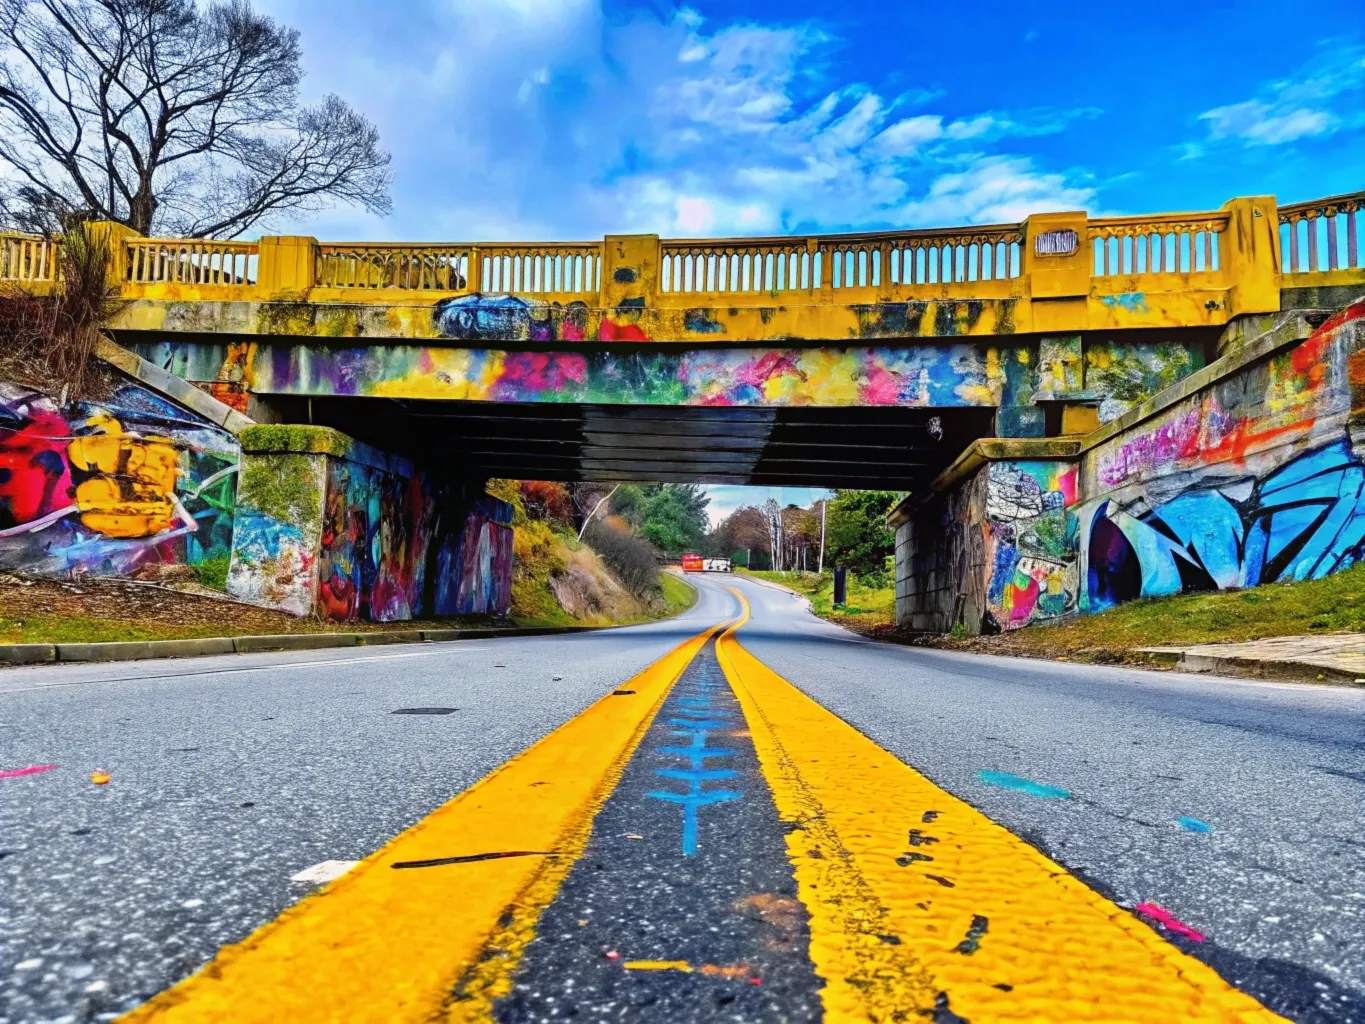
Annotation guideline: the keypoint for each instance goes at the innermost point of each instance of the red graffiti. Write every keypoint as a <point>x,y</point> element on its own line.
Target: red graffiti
<point>612,331</point>
<point>1169,921</point>
<point>34,477</point>
<point>543,371</point>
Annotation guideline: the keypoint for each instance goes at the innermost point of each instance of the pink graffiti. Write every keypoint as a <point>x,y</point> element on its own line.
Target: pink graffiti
<point>33,769</point>
<point>881,388</point>
<point>1169,921</point>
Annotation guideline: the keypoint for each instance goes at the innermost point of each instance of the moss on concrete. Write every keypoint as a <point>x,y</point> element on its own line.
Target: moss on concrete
<point>295,437</point>
<point>284,485</point>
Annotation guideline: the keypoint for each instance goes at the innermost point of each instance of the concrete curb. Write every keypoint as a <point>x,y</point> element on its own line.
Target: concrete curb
<point>40,654</point>
<point>1251,668</point>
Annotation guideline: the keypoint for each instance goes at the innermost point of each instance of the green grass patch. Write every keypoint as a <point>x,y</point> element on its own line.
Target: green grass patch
<point>82,630</point>
<point>678,594</point>
<point>213,572</point>
<point>1332,605</point>
<point>867,607</point>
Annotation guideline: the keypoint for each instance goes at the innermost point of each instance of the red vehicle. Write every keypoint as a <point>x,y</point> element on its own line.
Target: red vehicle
<point>693,563</point>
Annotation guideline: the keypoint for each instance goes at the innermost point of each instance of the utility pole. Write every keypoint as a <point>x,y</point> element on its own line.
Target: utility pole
<point>824,506</point>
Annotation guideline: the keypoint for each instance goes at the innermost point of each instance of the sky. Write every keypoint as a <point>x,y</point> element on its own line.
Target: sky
<point>569,119</point>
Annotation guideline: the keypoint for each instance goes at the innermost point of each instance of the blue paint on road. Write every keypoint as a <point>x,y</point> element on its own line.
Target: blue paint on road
<point>1004,780</point>
<point>695,716</point>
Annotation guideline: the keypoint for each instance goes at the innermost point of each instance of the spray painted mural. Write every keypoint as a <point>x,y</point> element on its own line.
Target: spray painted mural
<point>1257,479</point>
<point>114,487</point>
<point>997,552</point>
<point>927,375</point>
<point>474,563</point>
<point>375,531</point>
<point>1031,540</point>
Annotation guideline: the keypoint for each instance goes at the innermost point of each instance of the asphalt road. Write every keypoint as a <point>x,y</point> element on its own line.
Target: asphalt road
<point>231,774</point>
<point>1275,771</point>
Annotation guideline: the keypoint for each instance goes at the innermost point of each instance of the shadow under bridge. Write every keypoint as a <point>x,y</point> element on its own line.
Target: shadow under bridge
<point>854,447</point>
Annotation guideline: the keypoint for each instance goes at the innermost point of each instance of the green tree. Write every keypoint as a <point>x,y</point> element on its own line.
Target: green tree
<point>857,537</point>
<point>672,517</point>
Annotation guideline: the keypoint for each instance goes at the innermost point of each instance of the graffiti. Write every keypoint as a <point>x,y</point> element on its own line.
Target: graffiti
<point>110,487</point>
<point>508,318</point>
<point>1254,480</point>
<point>474,563</point>
<point>1031,538</point>
<point>375,531</point>
<point>921,375</point>
<point>273,563</point>
<point>1126,374</point>
<point>1303,521</point>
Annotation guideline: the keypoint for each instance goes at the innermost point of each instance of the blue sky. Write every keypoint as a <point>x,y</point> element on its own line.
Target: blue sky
<point>568,119</point>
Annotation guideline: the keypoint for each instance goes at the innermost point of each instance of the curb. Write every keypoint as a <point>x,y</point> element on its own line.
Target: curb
<point>1251,668</point>
<point>141,650</point>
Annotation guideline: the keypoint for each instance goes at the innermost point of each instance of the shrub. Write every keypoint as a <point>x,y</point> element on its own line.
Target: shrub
<point>634,561</point>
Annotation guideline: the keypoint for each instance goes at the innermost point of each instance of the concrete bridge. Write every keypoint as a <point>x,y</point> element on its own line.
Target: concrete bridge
<point>838,346</point>
<point>862,360</point>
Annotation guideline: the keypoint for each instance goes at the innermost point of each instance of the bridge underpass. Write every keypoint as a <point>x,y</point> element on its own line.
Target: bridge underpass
<point>853,447</point>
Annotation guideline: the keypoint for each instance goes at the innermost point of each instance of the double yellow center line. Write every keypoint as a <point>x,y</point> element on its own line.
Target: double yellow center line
<point>919,905</point>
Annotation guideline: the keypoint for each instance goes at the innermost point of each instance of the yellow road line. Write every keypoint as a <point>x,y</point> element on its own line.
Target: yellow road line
<point>983,926</point>
<point>439,939</point>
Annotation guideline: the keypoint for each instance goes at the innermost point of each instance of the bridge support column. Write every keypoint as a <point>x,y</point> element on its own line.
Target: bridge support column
<point>988,547</point>
<point>327,526</point>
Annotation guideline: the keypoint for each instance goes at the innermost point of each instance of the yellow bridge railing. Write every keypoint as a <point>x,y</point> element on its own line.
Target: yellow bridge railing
<point>1155,270</point>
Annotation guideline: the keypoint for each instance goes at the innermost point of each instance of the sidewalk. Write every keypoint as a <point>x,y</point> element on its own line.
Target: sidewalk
<point>1336,658</point>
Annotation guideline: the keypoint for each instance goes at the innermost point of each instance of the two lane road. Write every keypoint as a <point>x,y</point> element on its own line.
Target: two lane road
<point>1235,806</point>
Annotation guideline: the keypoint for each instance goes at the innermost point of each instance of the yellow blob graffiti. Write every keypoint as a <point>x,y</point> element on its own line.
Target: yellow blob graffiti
<point>132,491</point>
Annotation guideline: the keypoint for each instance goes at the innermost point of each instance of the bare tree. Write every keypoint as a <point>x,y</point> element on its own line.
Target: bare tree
<point>164,115</point>
<point>772,512</point>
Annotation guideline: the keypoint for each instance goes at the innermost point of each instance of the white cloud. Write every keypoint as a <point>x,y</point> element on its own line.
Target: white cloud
<point>1321,99</point>
<point>545,118</point>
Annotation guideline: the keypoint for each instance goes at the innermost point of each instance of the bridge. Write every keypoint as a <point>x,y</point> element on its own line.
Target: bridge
<point>904,359</point>
<point>834,346</point>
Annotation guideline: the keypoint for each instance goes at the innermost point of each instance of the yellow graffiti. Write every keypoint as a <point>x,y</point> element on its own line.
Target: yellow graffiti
<point>132,491</point>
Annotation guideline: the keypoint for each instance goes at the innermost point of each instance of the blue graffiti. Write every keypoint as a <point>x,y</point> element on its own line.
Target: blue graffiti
<point>1129,302</point>
<point>1304,521</point>
<point>694,716</point>
<point>1005,780</point>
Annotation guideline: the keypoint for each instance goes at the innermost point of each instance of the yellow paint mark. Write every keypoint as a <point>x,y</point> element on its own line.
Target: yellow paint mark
<point>658,965</point>
<point>435,943</point>
<point>887,937</point>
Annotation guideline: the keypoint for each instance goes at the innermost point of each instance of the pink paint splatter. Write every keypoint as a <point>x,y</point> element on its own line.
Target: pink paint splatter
<point>14,773</point>
<point>1169,921</point>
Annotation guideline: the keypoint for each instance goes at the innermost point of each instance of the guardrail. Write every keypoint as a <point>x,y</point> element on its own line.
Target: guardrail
<point>189,261</point>
<point>1171,244</point>
<point>27,258</point>
<point>441,268</point>
<point>1152,270</point>
<point>751,266</point>
<point>1321,236</point>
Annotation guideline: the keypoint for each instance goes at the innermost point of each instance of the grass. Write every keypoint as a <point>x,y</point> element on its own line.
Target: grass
<point>678,594</point>
<point>867,609</point>
<point>213,572</point>
<point>85,630</point>
<point>1335,604</point>
<point>1332,605</point>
